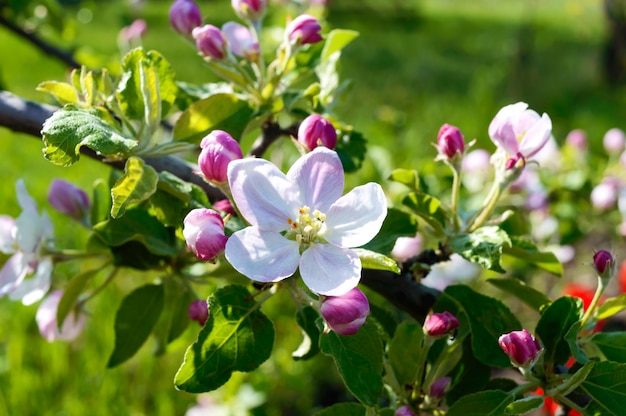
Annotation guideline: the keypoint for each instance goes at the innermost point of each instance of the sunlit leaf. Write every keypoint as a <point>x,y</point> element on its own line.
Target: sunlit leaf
<point>137,184</point>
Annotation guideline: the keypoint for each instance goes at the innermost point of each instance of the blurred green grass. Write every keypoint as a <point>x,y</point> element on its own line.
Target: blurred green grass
<point>416,65</point>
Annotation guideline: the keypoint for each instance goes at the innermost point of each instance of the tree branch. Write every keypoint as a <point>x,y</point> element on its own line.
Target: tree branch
<point>403,291</point>
<point>272,131</point>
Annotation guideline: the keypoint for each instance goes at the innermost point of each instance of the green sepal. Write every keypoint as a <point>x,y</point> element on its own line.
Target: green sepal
<point>376,261</point>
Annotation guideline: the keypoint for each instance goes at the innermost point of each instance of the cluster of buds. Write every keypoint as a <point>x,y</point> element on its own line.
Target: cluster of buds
<point>345,314</point>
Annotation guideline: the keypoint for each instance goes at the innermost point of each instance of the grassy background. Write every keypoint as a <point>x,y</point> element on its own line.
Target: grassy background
<point>416,65</point>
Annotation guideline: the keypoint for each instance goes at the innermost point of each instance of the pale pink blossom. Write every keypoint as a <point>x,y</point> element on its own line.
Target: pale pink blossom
<point>241,41</point>
<point>47,320</point>
<point>614,140</point>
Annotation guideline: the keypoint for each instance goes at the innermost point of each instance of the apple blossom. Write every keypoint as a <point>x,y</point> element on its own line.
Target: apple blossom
<point>210,41</point>
<point>301,220</point>
<point>521,347</point>
<point>241,41</point>
<point>345,314</point>
<point>251,10</point>
<point>407,247</point>
<point>519,132</point>
<point>199,311</point>
<point>614,140</point>
<point>304,29</point>
<point>218,150</point>
<point>204,232</point>
<point>316,131</point>
<point>25,240</point>
<point>47,320</point>
<point>604,196</point>
<point>185,16</point>
<point>69,199</point>
<point>450,142</point>
<point>440,324</point>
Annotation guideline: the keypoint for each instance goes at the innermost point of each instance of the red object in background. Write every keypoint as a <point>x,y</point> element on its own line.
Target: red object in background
<point>585,293</point>
<point>550,407</point>
<point>621,275</point>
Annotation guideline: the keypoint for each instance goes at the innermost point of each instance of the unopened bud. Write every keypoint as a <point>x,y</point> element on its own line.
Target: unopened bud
<point>450,142</point>
<point>241,41</point>
<point>521,347</point>
<point>204,233</point>
<point>218,150</point>
<point>69,199</point>
<point>614,140</point>
<point>225,206</point>
<point>251,10</point>
<point>604,263</point>
<point>210,41</point>
<point>439,387</point>
<point>440,324</point>
<point>345,314</point>
<point>403,411</point>
<point>304,29</point>
<point>185,16</point>
<point>604,196</point>
<point>316,131</point>
<point>199,311</point>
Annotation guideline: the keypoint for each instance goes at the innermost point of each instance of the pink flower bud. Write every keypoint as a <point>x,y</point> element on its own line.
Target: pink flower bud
<point>218,150</point>
<point>204,233</point>
<point>225,206</point>
<point>317,131</point>
<point>439,387</point>
<point>440,324</point>
<point>604,196</point>
<point>199,311</point>
<point>251,10</point>
<point>614,140</point>
<point>241,41</point>
<point>407,247</point>
<point>135,31</point>
<point>185,16</point>
<point>68,199</point>
<point>47,320</point>
<point>521,347</point>
<point>450,142</point>
<point>604,263</point>
<point>403,411</point>
<point>346,313</point>
<point>577,138</point>
<point>210,41</point>
<point>304,29</point>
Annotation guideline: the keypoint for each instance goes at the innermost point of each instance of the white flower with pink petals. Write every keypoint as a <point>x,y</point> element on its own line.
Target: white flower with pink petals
<point>302,220</point>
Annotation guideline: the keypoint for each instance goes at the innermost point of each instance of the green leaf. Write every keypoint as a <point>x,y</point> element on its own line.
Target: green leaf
<point>572,340</point>
<point>606,385</point>
<point>137,184</point>
<point>162,84</point>
<point>408,177</point>
<point>530,296</point>
<point>429,209</point>
<point>359,359</point>
<point>573,381</point>
<point>376,261</point>
<point>139,226</point>
<point>134,321</point>
<point>336,40</point>
<point>484,403</point>
<point>407,352</point>
<point>101,201</point>
<point>309,347</point>
<point>236,337</point>
<point>611,307</point>
<point>350,149</point>
<point>484,246</point>
<point>553,326</point>
<point>525,405</point>
<point>343,409</point>
<point>526,250</point>
<point>487,319</point>
<point>612,345</point>
<point>175,316</point>
<point>71,292</point>
<point>63,92</point>
<point>69,129</point>
<point>218,112</point>
<point>470,375</point>
<point>175,186</point>
<point>397,224</point>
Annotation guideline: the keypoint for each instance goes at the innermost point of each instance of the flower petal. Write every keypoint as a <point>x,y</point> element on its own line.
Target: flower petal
<point>536,136</point>
<point>319,176</point>
<point>501,128</point>
<point>356,217</point>
<point>263,194</point>
<point>264,256</point>
<point>12,273</point>
<point>33,289</point>
<point>330,270</point>
<point>7,238</point>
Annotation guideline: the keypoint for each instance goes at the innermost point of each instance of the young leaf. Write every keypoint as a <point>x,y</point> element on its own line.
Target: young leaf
<point>484,246</point>
<point>397,224</point>
<point>408,177</point>
<point>488,319</point>
<point>484,403</point>
<point>138,225</point>
<point>611,307</point>
<point>68,129</point>
<point>606,386</point>
<point>343,409</point>
<point>526,250</point>
<point>218,112</point>
<point>359,359</point>
<point>530,296</point>
<point>553,326</point>
<point>236,337</point>
<point>72,291</point>
<point>336,40</point>
<point>406,352</point>
<point>63,92</point>
<point>376,261</point>
<point>137,184</point>
<point>309,347</point>
<point>573,381</point>
<point>429,208</point>
<point>525,405</point>
<point>134,321</point>
<point>612,345</point>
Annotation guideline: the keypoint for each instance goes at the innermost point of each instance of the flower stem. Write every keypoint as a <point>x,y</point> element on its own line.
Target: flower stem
<point>489,205</point>
<point>591,310</point>
<point>456,184</point>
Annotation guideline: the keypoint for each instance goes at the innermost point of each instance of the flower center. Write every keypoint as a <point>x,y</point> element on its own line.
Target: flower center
<point>304,230</point>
